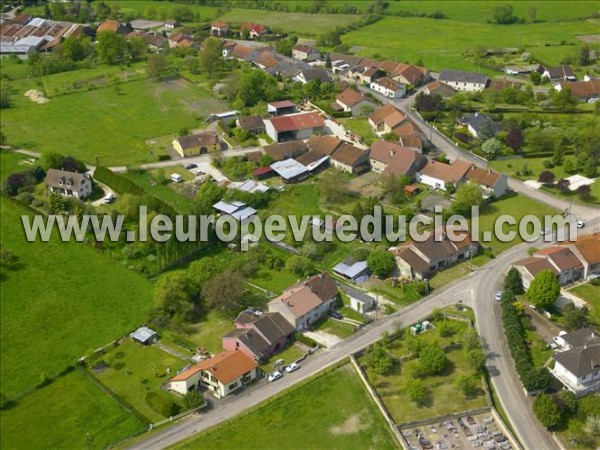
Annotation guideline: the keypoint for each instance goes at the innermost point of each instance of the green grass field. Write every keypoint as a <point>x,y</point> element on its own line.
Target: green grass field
<point>332,411</point>
<point>340,329</point>
<point>106,124</point>
<point>61,415</point>
<point>444,41</point>
<point>66,300</point>
<point>464,10</point>
<point>443,398</point>
<point>134,370</point>
<point>517,206</point>
<point>157,183</point>
<point>158,10</point>
<point>360,127</point>
<point>300,23</point>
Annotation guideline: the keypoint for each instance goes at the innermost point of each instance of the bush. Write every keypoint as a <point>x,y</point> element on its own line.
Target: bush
<point>432,360</point>
<point>161,404</point>
<point>306,340</point>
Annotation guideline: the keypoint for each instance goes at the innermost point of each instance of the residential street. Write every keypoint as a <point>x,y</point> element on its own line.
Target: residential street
<point>474,290</point>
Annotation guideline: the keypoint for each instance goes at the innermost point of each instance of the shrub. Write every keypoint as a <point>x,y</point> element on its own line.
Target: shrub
<point>161,404</point>
<point>432,360</point>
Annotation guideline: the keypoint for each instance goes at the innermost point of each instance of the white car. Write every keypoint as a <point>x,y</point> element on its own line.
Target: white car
<point>498,296</point>
<point>274,376</point>
<point>580,224</point>
<point>292,367</point>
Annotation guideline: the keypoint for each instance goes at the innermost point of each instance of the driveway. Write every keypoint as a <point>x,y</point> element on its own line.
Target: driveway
<point>322,338</point>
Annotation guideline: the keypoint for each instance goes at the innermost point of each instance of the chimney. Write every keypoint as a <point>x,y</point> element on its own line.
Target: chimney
<point>391,152</point>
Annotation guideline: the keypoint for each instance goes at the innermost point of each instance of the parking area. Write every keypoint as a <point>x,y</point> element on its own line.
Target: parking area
<point>465,432</point>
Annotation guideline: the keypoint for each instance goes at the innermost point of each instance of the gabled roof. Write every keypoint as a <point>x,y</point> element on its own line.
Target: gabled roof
<point>266,59</point>
<point>296,122</point>
<point>560,72</point>
<point>416,263</point>
<point>476,121</point>
<point>322,285</point>
<point>562,257</point>
<point>580,361</point>
<point>324,144</point>
<point>439,87</point>
<point>299,300</point>
<point>219,24</point>
<point>310,157</point>
<point>458,76</point>
<point>282,104</point>
<point>251,122</point>
<point>356,294</point>
<point>315,73</point>
<point>227,366</point>
<point>241,51</point>
<point>251,339</point>
<point>64,179</point>
<point>399,160</point>
<point>388,83</point>
<point>389,115</point>
<point>588,247</point>
<point>289,168</point>
<point>109,25</point>
<point>349,155</point>
<point>273,327</point>
<point>411,73</point>
<point>350,97</point>
<point>285,150</point>
<point>350,270</point>
<point>484,177</point>
<point>451,173</point>
<point>535,265</point>
<point>304,48</point>
<point>581,337</point>
<point>256,27</point>
<point>205,138</point>
<point>583,89</point>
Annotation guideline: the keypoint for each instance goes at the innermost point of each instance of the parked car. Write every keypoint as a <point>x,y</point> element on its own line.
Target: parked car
<point>190,166</point>
<point>274,376</point>
<point>498,296</point>
<point>292,367</point>
<point>336,315</point>
<point>580,224</point>
<point>176,178</point>
<point>109,198</point>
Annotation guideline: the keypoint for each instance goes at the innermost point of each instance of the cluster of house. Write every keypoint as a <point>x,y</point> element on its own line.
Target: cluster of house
<point>276,64</point>
<point>155,39</point>
<point>220,28</point>
<point>569,261</point>
<point>24,35</point>
<point>389,78</point>
<point>577,360</point>
<point>420,259</point>
<point>258,336</point>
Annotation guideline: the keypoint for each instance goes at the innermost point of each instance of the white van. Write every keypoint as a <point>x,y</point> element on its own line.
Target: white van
<point>175,177</point>
<point>109,198</point>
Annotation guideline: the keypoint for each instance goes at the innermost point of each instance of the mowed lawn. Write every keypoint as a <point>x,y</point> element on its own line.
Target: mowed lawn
<point>66,300</point>
<point>591,294</point>
<point>441,42</point>
<point>132,370</point>
<point>299,23</point>
<point>516,206</point>
<point>108,124</point>
<point>333,411</point>
<point>159,9</point>
<point>60,415</point>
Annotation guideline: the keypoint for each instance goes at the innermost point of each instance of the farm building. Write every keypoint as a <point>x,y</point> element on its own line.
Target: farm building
<point>464,81</point>
<point>144,335</point>
<point>197,144</point>
<point>295,126</point>
<point>359,301</point>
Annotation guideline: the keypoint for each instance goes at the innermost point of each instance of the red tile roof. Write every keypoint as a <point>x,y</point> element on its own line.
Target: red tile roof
<point>297,122</point>
<point>350,97</point>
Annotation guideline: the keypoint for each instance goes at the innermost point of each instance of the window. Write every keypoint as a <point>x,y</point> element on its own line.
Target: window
<point>233,385</point>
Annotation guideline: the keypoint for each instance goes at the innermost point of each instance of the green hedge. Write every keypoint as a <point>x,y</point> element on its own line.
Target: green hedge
<point>162,405</point>
<point>306,340</point>
<point>533,379</point>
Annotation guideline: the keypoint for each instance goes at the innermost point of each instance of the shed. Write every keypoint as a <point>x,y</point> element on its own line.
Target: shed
<point>359,301</point>
<point>144,335</point>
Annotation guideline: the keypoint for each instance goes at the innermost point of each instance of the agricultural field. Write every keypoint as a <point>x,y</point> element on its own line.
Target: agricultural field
<point>72,412</point>
<point>158,10</point>
<point>354,423</point>
<point>443,396</point>
<point>63,301</point>
<point>300,23</point>
<point>445,41</point>
<point>546,10</point>
<point>116,127</point>
<point>132,370</point>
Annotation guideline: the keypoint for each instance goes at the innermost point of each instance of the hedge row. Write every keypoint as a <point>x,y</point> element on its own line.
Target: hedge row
<point>533,379</point>
<point>161,404</point>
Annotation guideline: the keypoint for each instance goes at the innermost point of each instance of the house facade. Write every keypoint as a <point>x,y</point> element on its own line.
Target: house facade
<point>304,52</point>
<point>222,374</point>
<point>219,28</point>
<point>349,158</point>
<point>68,184</point>
<point>577,361</point>
<point>388,87</point>
<point>197,144</point>
<point>355,102</point>
<point>464,81</point>
<point>436,174</point>
<point>493,184</point>
<point>303,304</point>
<point>442,249</point>
<point>391,158</point>
<point>259,336</point>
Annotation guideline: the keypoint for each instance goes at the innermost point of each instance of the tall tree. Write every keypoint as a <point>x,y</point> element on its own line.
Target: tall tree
<point>546,411</point>
<point>211,58</point>
<point>224,291</point>
<point>544,289</point>
<point>112,47</point>
<point>158,65</point>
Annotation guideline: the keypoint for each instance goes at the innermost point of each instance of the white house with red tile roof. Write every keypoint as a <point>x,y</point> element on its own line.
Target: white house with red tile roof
<point>294,126</point>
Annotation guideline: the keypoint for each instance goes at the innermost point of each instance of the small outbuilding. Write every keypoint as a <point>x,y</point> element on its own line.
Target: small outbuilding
<point>144,335</point>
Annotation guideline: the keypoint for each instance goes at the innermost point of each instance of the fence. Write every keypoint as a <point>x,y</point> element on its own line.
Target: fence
<point>386,414</point>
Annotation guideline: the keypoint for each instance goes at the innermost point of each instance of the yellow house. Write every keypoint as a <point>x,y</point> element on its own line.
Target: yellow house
<point>197,144</point>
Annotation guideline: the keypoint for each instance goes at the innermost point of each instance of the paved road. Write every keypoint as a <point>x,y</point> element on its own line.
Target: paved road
<point>364,337</point>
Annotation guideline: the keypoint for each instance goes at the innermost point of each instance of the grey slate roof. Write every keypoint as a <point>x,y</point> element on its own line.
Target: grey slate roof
<point>463,77</point>
<point>358,295</point>
<point>580,361</point>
